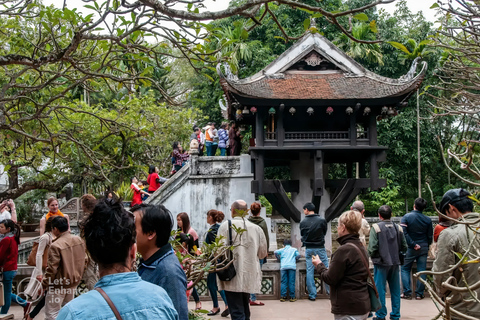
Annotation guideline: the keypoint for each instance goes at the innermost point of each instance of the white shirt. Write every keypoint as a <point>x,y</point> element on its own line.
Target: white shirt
<point>5,215</point>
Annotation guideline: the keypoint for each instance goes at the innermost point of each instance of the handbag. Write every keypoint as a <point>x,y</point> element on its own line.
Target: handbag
<point>229,272</point>
<point>32,257</point>
<point>375,303</point>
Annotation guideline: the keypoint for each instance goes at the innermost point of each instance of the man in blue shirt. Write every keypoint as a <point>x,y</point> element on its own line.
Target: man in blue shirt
<point>159,264</point>
<point>418,231</point>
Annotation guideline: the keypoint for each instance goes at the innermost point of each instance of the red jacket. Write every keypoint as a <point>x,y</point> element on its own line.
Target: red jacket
<point>8,254</point>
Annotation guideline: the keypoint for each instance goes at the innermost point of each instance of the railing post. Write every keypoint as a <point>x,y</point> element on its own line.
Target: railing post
<point>280,128</point>
<point>259,132</point>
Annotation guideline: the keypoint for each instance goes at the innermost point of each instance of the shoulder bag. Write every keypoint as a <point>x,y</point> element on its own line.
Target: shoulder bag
<point>375,303</point>
<point>32,257</point>
<point>110,303</point>
<point>229,272</point>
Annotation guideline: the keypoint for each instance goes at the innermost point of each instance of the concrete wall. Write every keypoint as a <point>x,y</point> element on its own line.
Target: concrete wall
<point>206,183</point>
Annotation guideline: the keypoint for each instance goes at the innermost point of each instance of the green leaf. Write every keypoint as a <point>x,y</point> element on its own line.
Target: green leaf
<point>306,23</point>
<point>373,26</point>
<point>209,77</point>
<point>361,16</point>
<point>435,5</point>
<point>399,46</point>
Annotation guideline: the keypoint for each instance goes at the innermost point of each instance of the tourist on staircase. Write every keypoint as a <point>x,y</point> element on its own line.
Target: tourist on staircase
<point>178,156</point>
<point>137,192</point>
<point>154,181</point>
<point>214,218</point>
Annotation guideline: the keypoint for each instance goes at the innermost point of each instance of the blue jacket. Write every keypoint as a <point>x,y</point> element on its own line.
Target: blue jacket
<point>133,298</point>
<point>163,269</point>
<point>288,257</point>
<point>418,229</point>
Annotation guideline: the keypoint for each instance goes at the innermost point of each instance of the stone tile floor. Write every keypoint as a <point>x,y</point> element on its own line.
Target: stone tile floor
<point>302,310</point>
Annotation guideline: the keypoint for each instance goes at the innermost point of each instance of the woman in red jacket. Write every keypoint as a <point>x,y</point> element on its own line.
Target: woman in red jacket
<point>9,241</point>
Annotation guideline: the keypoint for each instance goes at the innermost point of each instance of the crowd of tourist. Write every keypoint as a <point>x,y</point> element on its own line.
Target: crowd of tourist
<point>104,256</point>
<point>227,139</point>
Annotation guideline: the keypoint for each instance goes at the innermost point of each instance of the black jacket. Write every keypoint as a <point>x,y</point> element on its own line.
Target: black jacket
<point>313,229</point>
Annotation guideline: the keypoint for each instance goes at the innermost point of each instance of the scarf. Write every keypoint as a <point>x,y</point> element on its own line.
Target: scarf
<point>51,214</point>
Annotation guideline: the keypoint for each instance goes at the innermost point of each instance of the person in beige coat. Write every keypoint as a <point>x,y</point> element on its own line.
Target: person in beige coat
<point>249,247</point>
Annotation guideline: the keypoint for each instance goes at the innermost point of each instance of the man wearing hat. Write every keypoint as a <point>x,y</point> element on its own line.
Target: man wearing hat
<point>453,241</point>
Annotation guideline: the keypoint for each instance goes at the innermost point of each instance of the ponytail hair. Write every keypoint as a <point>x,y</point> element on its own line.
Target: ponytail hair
<point>9,224</point>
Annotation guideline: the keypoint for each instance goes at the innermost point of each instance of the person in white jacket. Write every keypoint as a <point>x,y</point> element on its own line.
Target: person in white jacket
<point>365,229</point>
<point>249,247</point>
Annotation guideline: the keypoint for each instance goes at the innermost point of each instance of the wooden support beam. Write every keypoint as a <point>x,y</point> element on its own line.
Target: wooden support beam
<point>372,130</point>
<point>280,202</point>
<point>318,182</point>
<point>353,128</point>
<point>288,186</point>
<point>362,170</point>
<point>350,170</point>
<point>348,192</point>
<point>259,131</point>
<point>362,183</point>
<point>374,177</point>
<point>280,127</point>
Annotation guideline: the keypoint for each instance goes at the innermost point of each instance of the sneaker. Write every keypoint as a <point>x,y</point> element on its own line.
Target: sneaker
<point>311,299</point>
<point>419,297</point>
<point>293,299</point>
<point>406,296</point>
<point>377,318</point>
<point>283,299</point>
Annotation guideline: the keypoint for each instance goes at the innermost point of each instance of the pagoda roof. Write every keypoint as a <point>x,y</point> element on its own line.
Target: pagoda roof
<point>315,69</point>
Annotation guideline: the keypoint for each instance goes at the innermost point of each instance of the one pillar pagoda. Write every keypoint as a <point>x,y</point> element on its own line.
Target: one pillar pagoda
<point>311,107</point>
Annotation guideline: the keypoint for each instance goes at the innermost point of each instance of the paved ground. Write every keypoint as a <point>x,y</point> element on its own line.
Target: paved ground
<point>303,310</point>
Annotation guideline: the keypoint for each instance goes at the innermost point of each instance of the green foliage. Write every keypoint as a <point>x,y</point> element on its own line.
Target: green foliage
<point>25,205</point>
<point>124,191</point>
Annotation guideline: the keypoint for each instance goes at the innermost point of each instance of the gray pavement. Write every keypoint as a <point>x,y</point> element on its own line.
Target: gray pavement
<point>302,310</point>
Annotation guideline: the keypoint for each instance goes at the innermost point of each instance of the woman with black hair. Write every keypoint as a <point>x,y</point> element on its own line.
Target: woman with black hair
<point>154,181</point>
<point>179,156</point>
<point>9,241</point>
<point>109,234</point>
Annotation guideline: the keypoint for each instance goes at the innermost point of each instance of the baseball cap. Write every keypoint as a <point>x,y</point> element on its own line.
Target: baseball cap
<point>452,196</point>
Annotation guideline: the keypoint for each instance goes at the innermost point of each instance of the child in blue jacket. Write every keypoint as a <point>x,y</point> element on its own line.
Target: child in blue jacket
<point>288,257</point>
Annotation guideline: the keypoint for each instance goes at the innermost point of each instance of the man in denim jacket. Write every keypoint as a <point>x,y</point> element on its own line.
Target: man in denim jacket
<point>159,264</point>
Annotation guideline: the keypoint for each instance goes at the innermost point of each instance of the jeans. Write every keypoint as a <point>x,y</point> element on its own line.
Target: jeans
<point>253,297</point>
<point>238,305</point>
<point>223,152</point>
<point>208,145</point>
<point>421,257</point>
<point>322,253</point>
<point>288,281</point>
<point>18,300</point>
<point>214,148</point>
<point>195,295</point>
<point>213,289</point>
<point>391,274</point>
<point>7,290</point>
